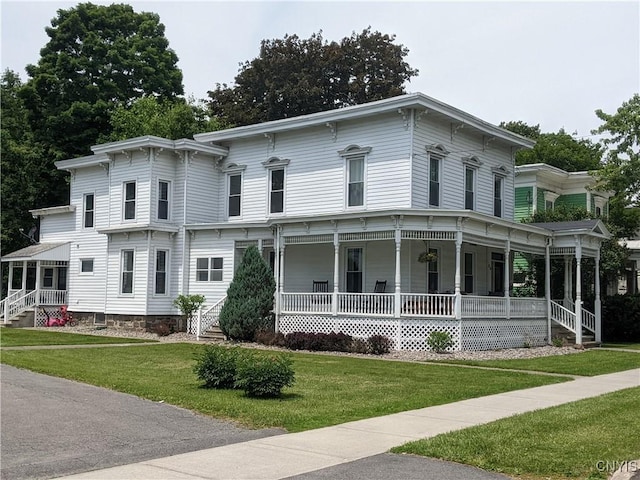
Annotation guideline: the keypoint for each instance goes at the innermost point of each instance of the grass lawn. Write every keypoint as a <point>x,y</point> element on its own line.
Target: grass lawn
<point>589,363</point>
<point>630,346</point>
<point>20,337</point>
<point>569,441</point>
<point>329,389</point>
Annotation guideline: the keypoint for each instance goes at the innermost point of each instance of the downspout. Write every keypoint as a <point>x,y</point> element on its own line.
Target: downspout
<point>111,164</point>
<point>184,286</point>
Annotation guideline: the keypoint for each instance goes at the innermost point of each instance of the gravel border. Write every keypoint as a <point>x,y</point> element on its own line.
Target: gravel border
<point>183,337</point>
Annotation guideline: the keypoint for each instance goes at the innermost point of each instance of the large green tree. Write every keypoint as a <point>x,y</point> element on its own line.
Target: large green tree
<point>557,149</point>
<point>621,172</point>
<point>97,56</point>
<point>294,76</point>
<point>149,115</point>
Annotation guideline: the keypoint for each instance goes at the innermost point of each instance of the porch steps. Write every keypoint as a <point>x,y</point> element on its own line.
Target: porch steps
<point>588,340</point>
<point>214,333</point>
<point>21,320</point>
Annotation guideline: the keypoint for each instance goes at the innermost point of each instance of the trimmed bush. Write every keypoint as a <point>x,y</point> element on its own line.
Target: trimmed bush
<point>249,303</point>
<point>216,366</point>
<point>379,344</point>
<point>318,342</point>
<point>439,341</point>
<point>260,375</point>
<point>360,345</point>
<point>270,338</point>
<point>621,318</point>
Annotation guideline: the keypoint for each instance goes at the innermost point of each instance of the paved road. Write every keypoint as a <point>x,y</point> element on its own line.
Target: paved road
<point>51,427</point>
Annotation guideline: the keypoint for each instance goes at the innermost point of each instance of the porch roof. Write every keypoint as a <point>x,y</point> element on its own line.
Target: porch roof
<point>42,251</point>
<point>593,227</point>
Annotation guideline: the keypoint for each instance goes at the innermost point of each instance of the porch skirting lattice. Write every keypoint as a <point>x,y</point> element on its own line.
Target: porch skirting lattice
<point>411,333</point>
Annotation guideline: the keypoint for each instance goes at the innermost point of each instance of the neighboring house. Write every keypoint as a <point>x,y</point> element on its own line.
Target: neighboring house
<point>341,204</point>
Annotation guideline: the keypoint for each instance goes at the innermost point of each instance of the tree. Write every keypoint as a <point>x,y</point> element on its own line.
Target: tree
<point>24,178</point>
<point>149,115</point>
<point>249,298</point>
<point>293,76</point>
<point>97,56</point>
<point>189,305</point>
<point>621,172</point>
<point>557,149</point>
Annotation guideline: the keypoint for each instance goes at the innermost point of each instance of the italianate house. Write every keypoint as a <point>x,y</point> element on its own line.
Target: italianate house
<point>395,217</point>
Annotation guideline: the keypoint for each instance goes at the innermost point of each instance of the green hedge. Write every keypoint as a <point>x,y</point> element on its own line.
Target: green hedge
<point>621,318</point>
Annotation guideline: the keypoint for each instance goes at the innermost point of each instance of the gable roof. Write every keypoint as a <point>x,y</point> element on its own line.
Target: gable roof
<point>419,101</point>
<point>592,227</point>
<point>41,251</point>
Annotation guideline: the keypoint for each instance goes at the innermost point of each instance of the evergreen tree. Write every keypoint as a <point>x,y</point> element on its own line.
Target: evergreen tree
<point>249,298</point>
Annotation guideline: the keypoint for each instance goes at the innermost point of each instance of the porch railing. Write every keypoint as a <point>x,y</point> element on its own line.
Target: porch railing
<point>588,320</point>
<point>366,303</point>
<point>563,316</point>
<point>21,304</point>
<point>6,303</point>
<point>528,307</point>
<point>429,305</point>
<point>306,302</point>
<point>19,301</point>
<point>52,297</point>
<point>477,307</point>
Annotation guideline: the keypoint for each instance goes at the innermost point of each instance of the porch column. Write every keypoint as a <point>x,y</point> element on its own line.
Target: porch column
<point>597,303</point>
<point>336,274</point>
<point>10,284</point>
<point>260,246</point>
<point>547,286</point>
<point>276,278</point>
<point>396,300</point>
<point>567,281</point>
<point>578,310</point>
<point>24,276</point>
<point>458,305</point>
<point>570,278</point>
<point>507,275</point>
<point>38,275</point>
<point>281,271</point>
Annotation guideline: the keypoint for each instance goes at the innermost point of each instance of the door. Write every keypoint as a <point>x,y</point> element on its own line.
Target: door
<point>497,272</point>
<point>354,269</point>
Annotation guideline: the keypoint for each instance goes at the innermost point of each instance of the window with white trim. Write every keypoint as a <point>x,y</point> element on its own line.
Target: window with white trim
<point>469,188</point>
<point>209,269</point>
<point>432,271</point>
<point>129,205</point>
<point>161,272</point>
<point>88,214</point>
<point>126,268</point>
<point>498,195</point>
<point>86,266</point>
<point>235,195</point>
<point>355,175</point>
<point>435,157</point>
<point>164,190</point>
<point>276,191</point>
<point>47,278</point>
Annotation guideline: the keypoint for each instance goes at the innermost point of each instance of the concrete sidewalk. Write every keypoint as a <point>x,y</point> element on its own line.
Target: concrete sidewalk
<point>298,453</point>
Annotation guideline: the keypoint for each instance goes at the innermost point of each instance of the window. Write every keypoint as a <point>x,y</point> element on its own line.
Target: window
<point>163,200</point>
<point>469,188</point>
<point>355,181</point>
<point>235,194</point>
<point>468,272</point>
<point>354,270</point>
<point>548,205</point>
<point>86,265</point>
<point>498,182</point>
<point>276,191</point>
<point>130,201</point>
<point>432,271</point>
<point>89,210</point>
<point>47,278</point>
<point>209,269</point>
<point>434,181</point>
<point>161,272</point>
<point>598,212</point>
<point>497,271</point>
<point>126,286</point>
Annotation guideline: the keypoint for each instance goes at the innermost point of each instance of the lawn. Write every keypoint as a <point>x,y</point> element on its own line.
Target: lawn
<point>583,439</point>
<point>329,389</point>
<point>589,363</point>
<point>14,337</point>
<point>630,346</point>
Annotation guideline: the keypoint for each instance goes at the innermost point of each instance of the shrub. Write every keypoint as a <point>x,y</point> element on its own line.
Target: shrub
<point>360,345</point>
<point>558,342</point>
<point>162,329</point>
<point>338,342</point>
<point>264,375</point>
<point>318,342</point>
<point>297,341</point>
<point>379,344</point>
<point>270,338</point>
<point>439,341</point>
<point>188,304</point>
<point>249,303</point>
<point>621,318</point>
<point>216,366</point>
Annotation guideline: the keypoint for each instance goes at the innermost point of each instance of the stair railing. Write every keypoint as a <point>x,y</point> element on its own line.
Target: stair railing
<point>5,305</point>
<point>563,316</point>
<point>208,318</point>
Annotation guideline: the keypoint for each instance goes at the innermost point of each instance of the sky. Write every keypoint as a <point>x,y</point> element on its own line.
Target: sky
<point>546,63</point>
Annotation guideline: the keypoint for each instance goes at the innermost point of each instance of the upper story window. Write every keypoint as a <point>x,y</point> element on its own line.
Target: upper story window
<point>129,201</point>
<point>435,157</point>
<point>469,188</point>
<point>277,173</point>
<point>355,158</point>
<point>88,216</point>
<point>499,175</point>
<point>600,204</point>
<point>161,272</point>
<point>164,190</point>
<point>549,200</point>
<point>234,189</point>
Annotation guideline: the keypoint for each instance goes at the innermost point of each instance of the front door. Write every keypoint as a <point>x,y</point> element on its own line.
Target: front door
<point>354,269</point>
<point>497,269</point>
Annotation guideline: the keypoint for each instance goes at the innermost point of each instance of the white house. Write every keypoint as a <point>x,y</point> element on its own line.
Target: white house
<point>341,204</point>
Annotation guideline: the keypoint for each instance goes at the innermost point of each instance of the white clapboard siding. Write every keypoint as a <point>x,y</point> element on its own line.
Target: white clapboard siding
<point>208,245</point>
<point>135,303</point>
<point>86,291</point>
<point>159,304</point>
<point>55,228</point>
<point>164,169</point>
<point>123,170</point>
<point>203,190</point>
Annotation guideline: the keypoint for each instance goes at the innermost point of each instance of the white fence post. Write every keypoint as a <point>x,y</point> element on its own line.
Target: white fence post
<point>198,323</point>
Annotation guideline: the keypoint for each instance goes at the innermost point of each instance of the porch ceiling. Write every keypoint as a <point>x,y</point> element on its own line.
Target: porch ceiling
<point>41,251</point>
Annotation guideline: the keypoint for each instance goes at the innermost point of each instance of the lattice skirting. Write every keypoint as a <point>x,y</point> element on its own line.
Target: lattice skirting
<point>41,317</point>
<point>491,334</point>
<point>411,333</point>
